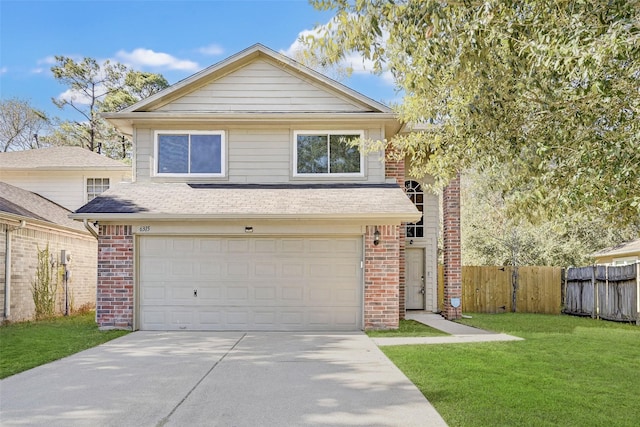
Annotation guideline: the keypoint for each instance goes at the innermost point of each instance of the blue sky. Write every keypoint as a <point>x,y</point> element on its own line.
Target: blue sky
<point>174,38</point>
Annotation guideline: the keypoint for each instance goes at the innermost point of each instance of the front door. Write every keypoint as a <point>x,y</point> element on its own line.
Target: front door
<point>414,278</point>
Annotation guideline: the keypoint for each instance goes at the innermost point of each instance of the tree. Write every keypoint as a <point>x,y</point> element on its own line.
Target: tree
<point>547,87</point>
<point>93,88</point>
<point>492,236</point>
<point>21,125</point>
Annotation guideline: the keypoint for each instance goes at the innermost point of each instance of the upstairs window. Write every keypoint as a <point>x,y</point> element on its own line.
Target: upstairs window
<point>416,195</point>
<point>180,153</point>
<point>327,153</point>
<point>95,186</point>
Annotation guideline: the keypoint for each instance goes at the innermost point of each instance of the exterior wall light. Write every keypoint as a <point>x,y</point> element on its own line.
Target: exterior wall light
<point>376,237</point>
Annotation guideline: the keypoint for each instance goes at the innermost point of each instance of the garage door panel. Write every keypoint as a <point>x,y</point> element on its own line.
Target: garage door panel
<point>257,283</point>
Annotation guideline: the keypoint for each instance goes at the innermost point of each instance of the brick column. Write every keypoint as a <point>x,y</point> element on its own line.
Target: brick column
<point>396,169</point>
<point>114,298</point>
<point>381,284</point>
<point>452,253</point>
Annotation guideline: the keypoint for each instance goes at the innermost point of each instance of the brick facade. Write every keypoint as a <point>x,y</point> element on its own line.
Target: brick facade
<point>115,298</point>
<point>452,251</point>
<point>381,278</point>
<point>25,244</point>
<point>395,169</point>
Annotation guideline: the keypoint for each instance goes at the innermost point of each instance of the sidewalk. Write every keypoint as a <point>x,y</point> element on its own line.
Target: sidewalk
<point>458,333</point>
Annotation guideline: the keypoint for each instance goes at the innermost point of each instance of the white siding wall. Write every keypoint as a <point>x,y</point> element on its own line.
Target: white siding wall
<point>66,188</point>
<point>255,154</point>
<point>260,86</point>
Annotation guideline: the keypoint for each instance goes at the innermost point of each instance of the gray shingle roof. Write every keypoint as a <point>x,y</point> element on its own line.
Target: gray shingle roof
<point>58,158</point>
<point>23,203</point>
<point>179,200</point>
<point>631,246</point>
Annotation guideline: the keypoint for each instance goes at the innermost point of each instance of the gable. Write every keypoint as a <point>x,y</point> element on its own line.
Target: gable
<point>262,86</point>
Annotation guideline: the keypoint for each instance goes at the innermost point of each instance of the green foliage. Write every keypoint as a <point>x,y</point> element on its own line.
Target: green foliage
<point>95,87</point>
<point>493,235</point>
<point>568,371</point>
<point>45,286</point>
<point>26,345</point>
<point>21,125</point>
<point>548,88</point>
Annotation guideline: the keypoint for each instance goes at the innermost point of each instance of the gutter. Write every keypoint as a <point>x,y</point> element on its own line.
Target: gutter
<point>90,228</point>
<point>7,268</point>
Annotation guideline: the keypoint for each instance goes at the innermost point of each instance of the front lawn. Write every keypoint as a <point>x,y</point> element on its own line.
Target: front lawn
<point>568,371</point>
<point>27,345</point>
<point>408,328</point>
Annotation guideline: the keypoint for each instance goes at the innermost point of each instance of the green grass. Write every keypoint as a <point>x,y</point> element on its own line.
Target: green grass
<point>408,328</point>
<point>569,371</point>
<point>27,345</point>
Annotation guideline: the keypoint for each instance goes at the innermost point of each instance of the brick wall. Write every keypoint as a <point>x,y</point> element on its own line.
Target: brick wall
<point>25,244</point>
<point>114,300</point>
<point>381,283</point>
<point>452,252</point>
<point>395,169</point>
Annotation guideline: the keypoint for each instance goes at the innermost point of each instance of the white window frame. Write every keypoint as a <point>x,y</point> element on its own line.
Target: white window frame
<point>223,152</point>
<point>86,187</point>
<point>328,133</point>
<point>624,260</point>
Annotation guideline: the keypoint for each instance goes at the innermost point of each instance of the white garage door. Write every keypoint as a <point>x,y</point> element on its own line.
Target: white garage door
<point>257,283</point>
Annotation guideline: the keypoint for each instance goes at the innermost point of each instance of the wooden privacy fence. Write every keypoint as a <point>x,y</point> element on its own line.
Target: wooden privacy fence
<point>525,289</point>
<point>607,292</point>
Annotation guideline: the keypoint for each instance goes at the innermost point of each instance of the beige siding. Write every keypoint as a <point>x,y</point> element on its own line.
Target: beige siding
<point>254,155</point>
<point>431,220</point>
<point>260,86</point>
<point>66,188</point>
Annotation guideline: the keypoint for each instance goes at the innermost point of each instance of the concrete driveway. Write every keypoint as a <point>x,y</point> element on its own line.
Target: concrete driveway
<point>219,379</point>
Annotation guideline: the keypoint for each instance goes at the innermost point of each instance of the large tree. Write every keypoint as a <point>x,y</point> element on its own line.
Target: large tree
<point>492,236</point>
<point>550,88</point>
<point>21,125</point>
<point>94,87</point>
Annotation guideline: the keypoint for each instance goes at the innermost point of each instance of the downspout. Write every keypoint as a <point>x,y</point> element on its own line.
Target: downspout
<point>7,268</point>
<point>90,228</point>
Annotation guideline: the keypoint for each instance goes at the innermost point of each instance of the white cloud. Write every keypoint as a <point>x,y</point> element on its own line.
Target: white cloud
<point>353,60</point>
<point>4,70</point>
<point>75,97</point>
<point>212,50</point>
<point>48,60</point>
<point>140,57</point>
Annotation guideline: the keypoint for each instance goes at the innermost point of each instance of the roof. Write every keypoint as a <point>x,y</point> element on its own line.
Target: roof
<point>251,53</point>
<point>629,247</point>
<point>366,203</point>
<point>146,109</point>
<point>25,205</point>
<point>58,158</point>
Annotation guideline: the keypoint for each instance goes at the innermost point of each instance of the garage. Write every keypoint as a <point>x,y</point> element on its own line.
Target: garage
<point>298,283</point>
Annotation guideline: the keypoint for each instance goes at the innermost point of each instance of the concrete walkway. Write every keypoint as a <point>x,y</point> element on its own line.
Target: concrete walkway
<point>458,333</point>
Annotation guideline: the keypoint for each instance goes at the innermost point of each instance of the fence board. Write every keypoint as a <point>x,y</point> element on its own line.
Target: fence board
<point>488,289</point>
<point>607,292</point>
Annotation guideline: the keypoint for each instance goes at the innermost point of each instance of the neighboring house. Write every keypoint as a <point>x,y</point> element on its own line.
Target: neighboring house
<point>28,223</point>
<point>68,176</point>
<point>250,211</point>
<point>622,254</point>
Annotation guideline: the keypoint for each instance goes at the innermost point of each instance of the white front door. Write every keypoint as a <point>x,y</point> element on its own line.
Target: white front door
<point>414,278</point>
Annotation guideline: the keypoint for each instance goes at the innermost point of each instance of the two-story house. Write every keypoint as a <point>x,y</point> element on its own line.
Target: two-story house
<point>250,210</point>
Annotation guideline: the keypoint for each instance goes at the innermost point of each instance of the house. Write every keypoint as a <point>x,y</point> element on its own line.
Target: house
<point>68,176</point>
<point>249,210</point>
<point>622,254</point>
<point>29,223</point>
